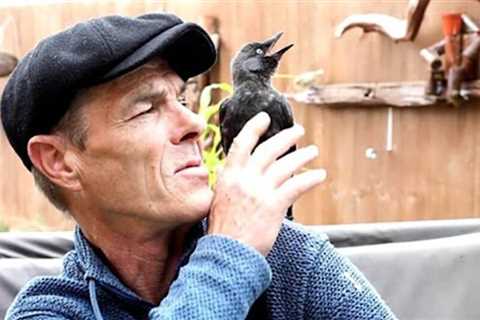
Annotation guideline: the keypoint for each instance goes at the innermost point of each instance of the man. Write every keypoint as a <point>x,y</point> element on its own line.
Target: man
<point>96,114</point>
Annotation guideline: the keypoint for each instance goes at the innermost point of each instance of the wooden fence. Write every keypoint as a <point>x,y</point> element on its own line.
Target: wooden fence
<point>433,171</point>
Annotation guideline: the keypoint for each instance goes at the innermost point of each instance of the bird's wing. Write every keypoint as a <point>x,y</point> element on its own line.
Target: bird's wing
<point>282,112</point>
<point>287,113</point>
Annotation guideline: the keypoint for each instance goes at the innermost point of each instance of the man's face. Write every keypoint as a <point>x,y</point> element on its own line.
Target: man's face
<point>142,158</point>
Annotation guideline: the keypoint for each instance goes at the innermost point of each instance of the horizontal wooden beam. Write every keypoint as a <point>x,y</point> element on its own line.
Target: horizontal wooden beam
<point>395,94</point>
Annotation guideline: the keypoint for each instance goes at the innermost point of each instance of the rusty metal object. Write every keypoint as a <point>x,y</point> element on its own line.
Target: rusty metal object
<point>452,31</point>
<point>470,60</point>
<point>468,70</point>
<point>433,54</point>
<point>8,62</point>
<point>454,85</point>
<point>437,82</point>
<point>395,28</point>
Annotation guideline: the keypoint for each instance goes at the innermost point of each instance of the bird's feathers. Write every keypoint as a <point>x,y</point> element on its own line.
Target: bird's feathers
<point>235,112</point>
<point>252,69</point>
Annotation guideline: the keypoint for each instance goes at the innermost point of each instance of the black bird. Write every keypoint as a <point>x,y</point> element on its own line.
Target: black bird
<point>252,70</point>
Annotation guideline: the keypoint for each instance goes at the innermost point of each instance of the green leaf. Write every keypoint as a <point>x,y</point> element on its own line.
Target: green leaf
<point>212,155</point>
<point>206,95</point>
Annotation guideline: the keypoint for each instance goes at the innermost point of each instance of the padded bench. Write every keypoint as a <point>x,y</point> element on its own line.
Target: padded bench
<point>424,270</point>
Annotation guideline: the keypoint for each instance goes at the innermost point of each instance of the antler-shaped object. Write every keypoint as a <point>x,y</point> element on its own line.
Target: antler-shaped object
<point>395,28</point>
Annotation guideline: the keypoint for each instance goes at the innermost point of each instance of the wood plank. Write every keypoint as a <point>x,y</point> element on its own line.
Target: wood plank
<point>433,171</point>
<point>395,94</point>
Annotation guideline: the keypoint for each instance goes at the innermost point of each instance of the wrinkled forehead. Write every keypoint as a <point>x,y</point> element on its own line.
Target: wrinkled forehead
<point>156,68</point>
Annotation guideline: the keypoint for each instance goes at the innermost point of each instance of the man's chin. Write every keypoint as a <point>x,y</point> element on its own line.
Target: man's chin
<point>199,203</point>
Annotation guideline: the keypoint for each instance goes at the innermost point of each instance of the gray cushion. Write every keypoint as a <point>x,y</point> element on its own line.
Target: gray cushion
<point>348,235</point>
<point>432,279</point>
<point>35,244</point>
<point>424,270</point>
<point>14,273</point>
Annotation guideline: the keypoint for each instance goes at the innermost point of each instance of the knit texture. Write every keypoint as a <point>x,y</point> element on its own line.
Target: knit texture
<point>305,278</point>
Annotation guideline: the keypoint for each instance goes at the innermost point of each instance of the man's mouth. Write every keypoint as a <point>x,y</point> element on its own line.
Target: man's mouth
<point>193,163</point>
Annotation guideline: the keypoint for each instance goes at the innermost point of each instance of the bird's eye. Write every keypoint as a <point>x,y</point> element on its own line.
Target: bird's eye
<point>259,51</point>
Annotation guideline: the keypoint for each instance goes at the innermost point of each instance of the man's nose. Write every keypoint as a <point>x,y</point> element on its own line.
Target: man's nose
<point>188,125</point>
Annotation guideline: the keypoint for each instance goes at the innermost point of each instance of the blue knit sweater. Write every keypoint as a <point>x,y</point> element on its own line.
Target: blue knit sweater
<point>303,277</point>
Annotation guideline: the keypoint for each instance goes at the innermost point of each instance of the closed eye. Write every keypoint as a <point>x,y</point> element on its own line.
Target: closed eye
<point>143,103</point>
<point>144,108</point>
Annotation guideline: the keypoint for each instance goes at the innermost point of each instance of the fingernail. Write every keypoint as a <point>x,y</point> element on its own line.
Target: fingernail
<point>264,116</point>
<point>321,174</point>
<point>313,149</point>
<point>298,128</point>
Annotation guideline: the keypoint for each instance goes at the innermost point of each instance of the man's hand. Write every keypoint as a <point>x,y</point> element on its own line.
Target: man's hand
<point>254,190</point>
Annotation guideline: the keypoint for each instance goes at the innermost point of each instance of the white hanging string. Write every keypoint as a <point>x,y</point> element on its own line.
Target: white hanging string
<point>389,143</point>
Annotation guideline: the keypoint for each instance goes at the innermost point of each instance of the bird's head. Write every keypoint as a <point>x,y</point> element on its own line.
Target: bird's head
<point>255,62</point>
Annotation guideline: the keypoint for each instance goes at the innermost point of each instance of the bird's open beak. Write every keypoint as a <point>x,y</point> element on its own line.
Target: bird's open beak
<point>270,43</point>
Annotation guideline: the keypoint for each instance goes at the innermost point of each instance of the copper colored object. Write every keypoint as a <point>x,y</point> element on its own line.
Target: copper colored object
<point>457,65</point>
<point>452,31</point>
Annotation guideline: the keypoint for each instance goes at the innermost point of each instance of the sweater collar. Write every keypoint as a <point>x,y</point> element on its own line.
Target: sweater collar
<point>95,268</point>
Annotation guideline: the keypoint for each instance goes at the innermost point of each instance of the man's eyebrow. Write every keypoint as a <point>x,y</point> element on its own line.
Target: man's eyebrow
<point>148,95</point>
<point>146,91</point>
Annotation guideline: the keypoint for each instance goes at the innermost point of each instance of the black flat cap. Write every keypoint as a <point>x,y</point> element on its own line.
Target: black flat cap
<point>43,84</point>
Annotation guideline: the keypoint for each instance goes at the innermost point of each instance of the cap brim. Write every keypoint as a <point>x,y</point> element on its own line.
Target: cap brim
<point>187,48</point>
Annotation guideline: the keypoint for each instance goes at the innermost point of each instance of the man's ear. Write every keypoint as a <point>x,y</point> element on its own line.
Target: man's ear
<point>48,154</point>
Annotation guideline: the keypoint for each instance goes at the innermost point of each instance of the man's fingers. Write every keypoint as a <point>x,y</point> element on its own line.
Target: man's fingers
<point>247,138</point>
<point>297,185</point>
<point>269,150</point>
<point>285,167</point>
